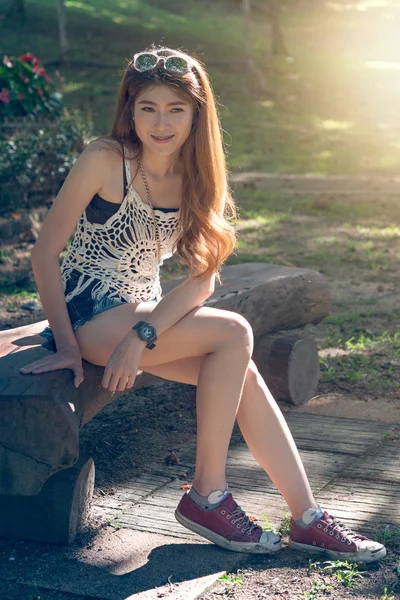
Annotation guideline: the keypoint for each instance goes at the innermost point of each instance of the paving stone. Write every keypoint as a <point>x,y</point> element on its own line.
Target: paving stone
<point>351,472</point>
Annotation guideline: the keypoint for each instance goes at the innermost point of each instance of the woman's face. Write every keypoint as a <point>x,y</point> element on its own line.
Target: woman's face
<point>163,120</point>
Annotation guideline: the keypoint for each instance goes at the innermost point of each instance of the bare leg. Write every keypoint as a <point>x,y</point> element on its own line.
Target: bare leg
<point>271,443</point>
<point>219,388</point>
<point>213,349</point>
<point>264,429</point>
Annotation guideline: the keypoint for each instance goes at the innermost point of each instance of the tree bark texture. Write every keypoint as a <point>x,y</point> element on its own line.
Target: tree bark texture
<point>247,36</point>
<point>289,365</point>
<point>278,46</point>
<point>62,29</point>
<point>57,513</point>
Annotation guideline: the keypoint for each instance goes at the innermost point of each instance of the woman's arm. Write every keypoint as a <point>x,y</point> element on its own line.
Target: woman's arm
<point>123,364</point>
<point>179,302</point>
<point>46,269</point>
<point>84,180</point>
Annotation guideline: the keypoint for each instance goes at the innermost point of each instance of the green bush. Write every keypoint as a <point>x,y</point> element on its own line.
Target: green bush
<point>36,157</point>
<point>40,139</point>
<point>26,90</point>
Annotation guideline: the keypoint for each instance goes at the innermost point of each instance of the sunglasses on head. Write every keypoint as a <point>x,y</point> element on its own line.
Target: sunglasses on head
<point>146,61</point>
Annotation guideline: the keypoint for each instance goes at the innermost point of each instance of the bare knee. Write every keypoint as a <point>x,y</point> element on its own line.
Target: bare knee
<point>240,332</point>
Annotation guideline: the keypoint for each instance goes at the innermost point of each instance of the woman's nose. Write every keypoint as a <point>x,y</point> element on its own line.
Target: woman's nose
<point>161,120</point>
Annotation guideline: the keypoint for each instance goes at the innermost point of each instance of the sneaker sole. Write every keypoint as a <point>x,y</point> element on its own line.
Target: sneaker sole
<point>365,557</point>
<point>247,547</point>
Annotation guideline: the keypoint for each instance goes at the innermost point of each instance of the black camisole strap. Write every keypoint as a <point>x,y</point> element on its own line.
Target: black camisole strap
<point>124,171</point>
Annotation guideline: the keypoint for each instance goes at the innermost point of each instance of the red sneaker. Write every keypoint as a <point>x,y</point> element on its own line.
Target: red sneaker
<point>330,536</point>
<point>227,526</point>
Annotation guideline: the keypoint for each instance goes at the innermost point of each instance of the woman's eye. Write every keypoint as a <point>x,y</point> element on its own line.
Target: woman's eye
<point>174,110</point>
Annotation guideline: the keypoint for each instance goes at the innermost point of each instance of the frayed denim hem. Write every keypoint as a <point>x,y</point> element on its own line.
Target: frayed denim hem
<point>104,304</point>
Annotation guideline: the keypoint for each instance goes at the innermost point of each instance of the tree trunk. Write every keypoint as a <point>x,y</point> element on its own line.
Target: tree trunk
<point>62,29</point>
<point>254,72</point>
<point>274,15</point>
<point>247,38</point>
<point>13,9</point>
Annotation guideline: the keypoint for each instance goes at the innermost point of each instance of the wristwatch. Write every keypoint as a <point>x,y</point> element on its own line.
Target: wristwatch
<point>146,333</point>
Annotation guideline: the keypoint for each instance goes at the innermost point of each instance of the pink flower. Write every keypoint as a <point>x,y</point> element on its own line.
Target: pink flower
<point>21,96</point>
<point>39,91</point>
<point>24,78</point>
<point>7,62</point>
<point>27,57</point>
<point>5,96</point>
<point>40,71</point>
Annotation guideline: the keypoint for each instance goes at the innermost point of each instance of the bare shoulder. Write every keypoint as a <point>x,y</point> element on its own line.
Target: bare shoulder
<point>93,169</point>
<point>103,150</point>
<point>98,161</point>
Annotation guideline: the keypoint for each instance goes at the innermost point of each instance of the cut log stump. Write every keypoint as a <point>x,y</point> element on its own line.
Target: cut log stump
<point>290,366</point>
<point>56,514</point>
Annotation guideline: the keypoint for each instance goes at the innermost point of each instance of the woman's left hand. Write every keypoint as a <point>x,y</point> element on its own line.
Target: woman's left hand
<point>123,365</point>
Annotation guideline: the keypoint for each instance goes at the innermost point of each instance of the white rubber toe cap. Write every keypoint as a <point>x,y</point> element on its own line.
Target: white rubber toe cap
<point>371,547</point>
<point>269,538</point>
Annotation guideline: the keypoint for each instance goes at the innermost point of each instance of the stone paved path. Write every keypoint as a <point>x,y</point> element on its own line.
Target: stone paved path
<point>353,470</point>
<point>318,184</point>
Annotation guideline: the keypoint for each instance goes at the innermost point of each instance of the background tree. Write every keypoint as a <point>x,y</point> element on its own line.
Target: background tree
<point>13,9</point>
<point>247,37</point>
<point>274,11</point>
<point>62,29</point>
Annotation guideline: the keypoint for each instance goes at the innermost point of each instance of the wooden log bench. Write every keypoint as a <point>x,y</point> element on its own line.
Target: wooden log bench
<point>45,486</point>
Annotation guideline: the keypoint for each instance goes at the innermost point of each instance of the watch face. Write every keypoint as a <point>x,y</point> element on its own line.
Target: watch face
<point>147,331</point>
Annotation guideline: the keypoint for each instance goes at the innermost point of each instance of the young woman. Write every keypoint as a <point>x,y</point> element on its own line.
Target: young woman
<point>158,184</point>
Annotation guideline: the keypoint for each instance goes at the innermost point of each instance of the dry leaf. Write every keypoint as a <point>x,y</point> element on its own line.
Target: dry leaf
<point>185,486</point>
<point>171,459</point>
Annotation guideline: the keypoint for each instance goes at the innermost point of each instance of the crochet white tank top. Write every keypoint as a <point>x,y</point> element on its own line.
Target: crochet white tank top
<point>121,254</point>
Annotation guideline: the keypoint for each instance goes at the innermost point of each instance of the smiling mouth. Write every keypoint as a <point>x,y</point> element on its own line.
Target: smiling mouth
<point>162,137</point>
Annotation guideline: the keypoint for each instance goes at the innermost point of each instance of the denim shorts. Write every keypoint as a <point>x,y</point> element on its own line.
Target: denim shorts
<point>81,308</point>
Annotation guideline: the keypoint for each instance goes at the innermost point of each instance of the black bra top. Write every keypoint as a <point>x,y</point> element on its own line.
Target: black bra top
<point>99,210</point>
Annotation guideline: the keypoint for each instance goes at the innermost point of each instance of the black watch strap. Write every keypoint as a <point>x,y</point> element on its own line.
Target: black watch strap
<point>147,333</point>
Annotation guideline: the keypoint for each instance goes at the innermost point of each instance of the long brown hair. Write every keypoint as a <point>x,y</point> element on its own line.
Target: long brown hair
<point>207,238</point>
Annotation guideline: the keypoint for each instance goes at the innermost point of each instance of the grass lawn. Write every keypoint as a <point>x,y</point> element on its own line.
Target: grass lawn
<point>356,244</point>
<point>332,108</point>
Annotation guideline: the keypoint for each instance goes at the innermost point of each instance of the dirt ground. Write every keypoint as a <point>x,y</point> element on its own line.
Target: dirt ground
<point>289,576</point>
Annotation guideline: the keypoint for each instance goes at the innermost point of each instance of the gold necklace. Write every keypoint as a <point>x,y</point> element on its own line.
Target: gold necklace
<point>149,200</point>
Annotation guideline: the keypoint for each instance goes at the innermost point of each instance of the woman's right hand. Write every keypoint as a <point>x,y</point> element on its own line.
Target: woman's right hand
<point>65,358</point>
